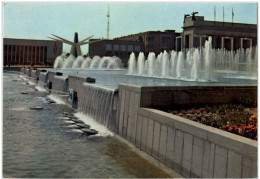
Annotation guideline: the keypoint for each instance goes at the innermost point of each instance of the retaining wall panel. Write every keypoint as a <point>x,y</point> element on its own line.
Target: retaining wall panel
<point>234,165</point>
<point>178,151</point>
<point>144,133</point>
<point>163,144</point>
<point>220,164</point>
<point>150,131</point>
<point>170,147</point>
<point>139,132</point>
<point>197,153</point>
<point>187,154</point>
<point>208,160</point>
<point>156,140</point>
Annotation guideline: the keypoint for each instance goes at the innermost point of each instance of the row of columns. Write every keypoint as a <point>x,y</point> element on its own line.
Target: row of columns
<point>12,53</point>
<point>179,40</point>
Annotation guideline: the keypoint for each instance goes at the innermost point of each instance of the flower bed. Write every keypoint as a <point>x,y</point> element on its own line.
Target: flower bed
<point>229,117</point>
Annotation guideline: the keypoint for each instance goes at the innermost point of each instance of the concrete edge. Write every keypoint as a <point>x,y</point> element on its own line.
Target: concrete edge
<point>149,158</point>
<point>130,87</point>
<point>231,141</point>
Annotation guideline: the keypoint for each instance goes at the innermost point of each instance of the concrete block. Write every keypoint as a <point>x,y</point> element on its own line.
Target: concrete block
<point>254,169</point>
<point>161,117</point>
<point>143,112</point>
<point>150,130</point>
<point>130,87</point>
<point>156,139</point>
<point>122,100</point>
<point>191,127</point>
<point>187,154</point>
<point>133,130</point>
<point>139,132</point>
<point>234,142</point>
<point>186,168</point>
<point>234,165</point>
<point>131,104</point>
<point>121,121</point>
<point>144,133</point>
<point>187,147</point>
<point>208,160</point>
<point>163,144</point>
<point>220,164</point>
<point>170,146</point>
<point>129,127</point>
<point>178,151</point>
<point>221,151</point>
<point>137,100</point>
<point>197,154</point>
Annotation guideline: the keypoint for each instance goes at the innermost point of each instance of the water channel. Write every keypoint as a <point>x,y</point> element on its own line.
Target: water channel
<point>38,143</point>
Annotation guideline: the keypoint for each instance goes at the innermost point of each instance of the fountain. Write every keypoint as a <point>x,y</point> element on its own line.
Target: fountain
<point>196,64</point>
<point>63,62</point>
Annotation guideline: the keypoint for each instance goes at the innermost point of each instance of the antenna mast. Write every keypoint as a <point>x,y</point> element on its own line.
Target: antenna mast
<point>108,22</point>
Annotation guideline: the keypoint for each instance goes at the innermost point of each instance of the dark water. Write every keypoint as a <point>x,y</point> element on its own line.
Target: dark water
<point>39,144</point>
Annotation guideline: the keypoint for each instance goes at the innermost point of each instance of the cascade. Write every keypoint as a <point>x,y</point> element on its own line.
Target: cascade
<point>97,102</point>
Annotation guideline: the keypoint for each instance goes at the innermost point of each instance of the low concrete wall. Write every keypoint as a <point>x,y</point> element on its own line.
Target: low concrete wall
<point>51,75</point>
<point>192,149</point>
<point>76,82</point>
<point>60,85</point>
<point>33,74</point>
<point>43,79</point>
<point>22,70</point>
<point>28,72</point>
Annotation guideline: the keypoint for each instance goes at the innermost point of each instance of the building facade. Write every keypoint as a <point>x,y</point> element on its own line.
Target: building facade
<point>154,41</point>
<point>30,52</point>
<point>227,35</point>
<point>119,48</point>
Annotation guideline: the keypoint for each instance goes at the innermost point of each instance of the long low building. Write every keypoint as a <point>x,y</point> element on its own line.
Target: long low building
<point>30,52</point>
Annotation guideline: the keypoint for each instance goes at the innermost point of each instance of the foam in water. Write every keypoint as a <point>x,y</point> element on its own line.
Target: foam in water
<point>40,88</point>
<point>102,130</point>
<point>56,99</point>
<point>98,103</point>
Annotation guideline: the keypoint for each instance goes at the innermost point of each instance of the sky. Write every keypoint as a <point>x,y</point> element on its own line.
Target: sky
<point>37,20</point>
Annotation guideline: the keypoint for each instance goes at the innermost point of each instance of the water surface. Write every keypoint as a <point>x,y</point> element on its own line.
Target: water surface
<point>40,144</point>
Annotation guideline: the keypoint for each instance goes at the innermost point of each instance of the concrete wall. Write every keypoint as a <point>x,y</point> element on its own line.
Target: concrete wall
<point>191,149</point>
<point>28,72</point>
<point>33,73</point>
<point>60,85</point>
<point>51,75</point>
<point>43,79</point>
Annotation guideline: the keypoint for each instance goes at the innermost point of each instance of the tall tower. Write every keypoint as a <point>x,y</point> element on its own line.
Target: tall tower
<point>108,22</point>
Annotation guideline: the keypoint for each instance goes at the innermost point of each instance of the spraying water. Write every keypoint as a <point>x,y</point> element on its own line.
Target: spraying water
<point>196,64</point>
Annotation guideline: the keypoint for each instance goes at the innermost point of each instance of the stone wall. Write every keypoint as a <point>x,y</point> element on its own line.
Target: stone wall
<point>191,149</point>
